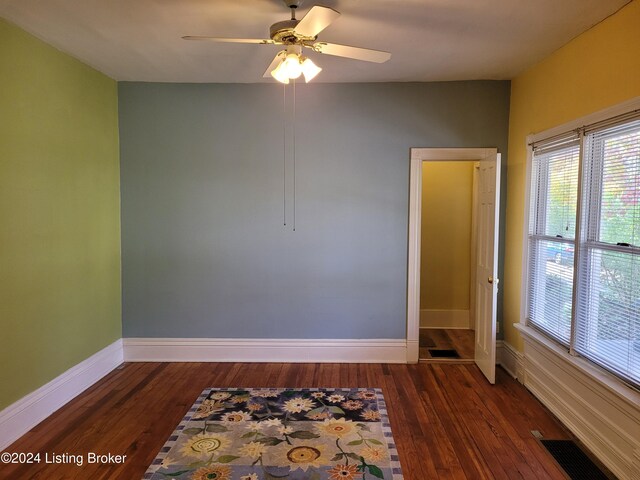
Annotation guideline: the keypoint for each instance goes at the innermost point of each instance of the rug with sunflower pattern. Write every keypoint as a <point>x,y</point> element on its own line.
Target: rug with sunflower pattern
<point>271,434</point>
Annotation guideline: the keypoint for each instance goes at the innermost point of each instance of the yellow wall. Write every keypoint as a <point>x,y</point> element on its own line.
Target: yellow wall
<point>598,69</point>
<point>446,235</point>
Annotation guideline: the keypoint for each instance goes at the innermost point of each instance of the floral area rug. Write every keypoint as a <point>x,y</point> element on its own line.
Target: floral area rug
<point>271,434</point>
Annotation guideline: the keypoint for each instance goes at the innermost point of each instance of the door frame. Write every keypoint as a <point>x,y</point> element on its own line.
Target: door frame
<point>419,155</point>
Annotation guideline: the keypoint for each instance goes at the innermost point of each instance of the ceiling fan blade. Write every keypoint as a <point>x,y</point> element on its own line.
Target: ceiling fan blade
<point>315,21</point>
<point>260,41</point>
<point>356,53</point>
<point>277,59</point>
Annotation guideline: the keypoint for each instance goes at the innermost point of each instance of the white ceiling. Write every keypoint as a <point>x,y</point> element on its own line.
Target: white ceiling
<point>430,40</point>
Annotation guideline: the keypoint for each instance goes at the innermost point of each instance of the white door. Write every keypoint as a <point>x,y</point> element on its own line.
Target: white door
<point>487,265</point>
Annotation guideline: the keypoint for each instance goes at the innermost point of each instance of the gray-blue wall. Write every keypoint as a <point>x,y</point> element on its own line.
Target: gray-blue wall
<point>204,249</point>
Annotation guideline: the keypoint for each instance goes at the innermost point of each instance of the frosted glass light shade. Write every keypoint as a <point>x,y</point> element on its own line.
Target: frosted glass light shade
<point>310,70</point>
<point>292,65</point>
<point>280,74</point>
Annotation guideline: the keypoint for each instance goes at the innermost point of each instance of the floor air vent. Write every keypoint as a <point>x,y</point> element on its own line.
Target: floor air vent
<point>443,353</point>
<point>574,461</point>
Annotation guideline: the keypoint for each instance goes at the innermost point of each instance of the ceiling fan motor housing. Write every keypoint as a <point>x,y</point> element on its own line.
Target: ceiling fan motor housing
<point>285,32</point>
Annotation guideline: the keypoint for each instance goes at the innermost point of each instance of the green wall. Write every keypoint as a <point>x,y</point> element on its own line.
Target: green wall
<point>60,298</point>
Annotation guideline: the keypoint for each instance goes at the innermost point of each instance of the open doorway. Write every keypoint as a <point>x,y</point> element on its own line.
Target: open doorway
<point>484,305</point>
<point>447,265</point>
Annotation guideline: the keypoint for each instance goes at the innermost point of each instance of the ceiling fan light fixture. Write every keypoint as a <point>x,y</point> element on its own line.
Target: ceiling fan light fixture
<point>292,65</point>
<point>310,70</point>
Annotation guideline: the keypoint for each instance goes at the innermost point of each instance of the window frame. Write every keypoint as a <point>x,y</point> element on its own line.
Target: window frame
<point>630,107</point>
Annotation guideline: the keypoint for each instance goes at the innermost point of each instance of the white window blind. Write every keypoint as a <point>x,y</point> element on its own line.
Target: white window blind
<point>554,189</point>
<point>608,307</point>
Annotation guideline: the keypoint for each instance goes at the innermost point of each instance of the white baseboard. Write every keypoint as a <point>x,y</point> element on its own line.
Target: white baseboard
<point>430,318</point>
<point>21,416</point>
<point>598,409</point>
<point>510,359</point>
<point>264,350</point>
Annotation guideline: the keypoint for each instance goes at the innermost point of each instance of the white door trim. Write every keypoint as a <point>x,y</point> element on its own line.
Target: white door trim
<point>419,155</point>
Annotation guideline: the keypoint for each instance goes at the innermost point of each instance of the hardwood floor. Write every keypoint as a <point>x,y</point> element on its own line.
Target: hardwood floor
<point>458,339</point>
<point>447,421</point>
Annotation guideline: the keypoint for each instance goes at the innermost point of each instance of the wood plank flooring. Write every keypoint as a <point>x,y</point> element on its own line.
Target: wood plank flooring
<point>447,421</point>
<point>458,339</point>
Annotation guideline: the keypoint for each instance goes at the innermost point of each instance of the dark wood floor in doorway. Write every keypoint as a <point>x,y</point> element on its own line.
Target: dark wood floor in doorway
<point>444,339</point>
<point>448,422</point>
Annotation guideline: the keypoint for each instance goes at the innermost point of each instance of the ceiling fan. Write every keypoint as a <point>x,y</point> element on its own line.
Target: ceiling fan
<point>298,34</point>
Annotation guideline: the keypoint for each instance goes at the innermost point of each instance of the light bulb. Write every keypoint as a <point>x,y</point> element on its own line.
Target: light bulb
<point>310,70</point>
<point>292,66</point>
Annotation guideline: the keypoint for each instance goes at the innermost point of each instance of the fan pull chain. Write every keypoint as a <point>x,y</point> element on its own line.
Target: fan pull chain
<point>294,155</point>
<point>284,154</point>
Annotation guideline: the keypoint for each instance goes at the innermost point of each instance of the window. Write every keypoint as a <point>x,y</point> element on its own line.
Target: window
<point>584,243</point>
<point>552,236</point>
